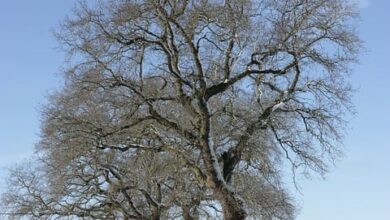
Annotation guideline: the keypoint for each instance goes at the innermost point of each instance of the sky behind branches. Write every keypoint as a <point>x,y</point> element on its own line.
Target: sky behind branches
<point>357,188</point>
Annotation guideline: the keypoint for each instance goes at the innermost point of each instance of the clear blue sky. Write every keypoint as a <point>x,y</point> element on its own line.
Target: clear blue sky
<point>358,188</point>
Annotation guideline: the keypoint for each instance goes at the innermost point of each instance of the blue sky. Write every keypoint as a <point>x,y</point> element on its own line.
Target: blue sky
<point>357,188</point>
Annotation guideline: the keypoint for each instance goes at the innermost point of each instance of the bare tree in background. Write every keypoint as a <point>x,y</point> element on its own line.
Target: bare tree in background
<point>189,109</point>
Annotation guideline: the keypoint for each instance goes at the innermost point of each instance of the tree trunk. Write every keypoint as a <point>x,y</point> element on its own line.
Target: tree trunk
<point>232,205</point>
<point>187,213</point>
<point>156,213</point>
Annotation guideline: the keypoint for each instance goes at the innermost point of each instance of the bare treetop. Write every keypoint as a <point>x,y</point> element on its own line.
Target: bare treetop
<point>189,108</point>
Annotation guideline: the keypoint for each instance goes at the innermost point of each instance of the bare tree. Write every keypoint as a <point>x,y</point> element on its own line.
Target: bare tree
<point>189,109</point>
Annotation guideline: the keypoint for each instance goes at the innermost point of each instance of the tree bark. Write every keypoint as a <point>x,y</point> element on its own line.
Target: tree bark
<point>232,205</point>
<point>187,214</point>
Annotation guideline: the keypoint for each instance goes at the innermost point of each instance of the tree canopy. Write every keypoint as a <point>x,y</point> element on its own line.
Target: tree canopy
<point>190,109</point>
